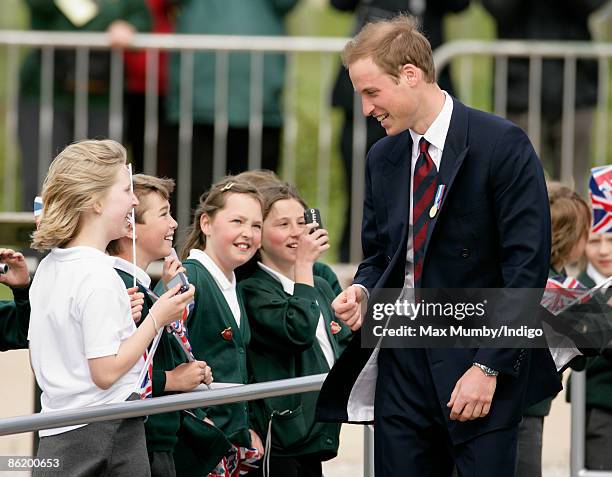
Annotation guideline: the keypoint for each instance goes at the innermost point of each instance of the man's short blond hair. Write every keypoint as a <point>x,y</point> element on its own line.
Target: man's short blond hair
<point>391,44</point>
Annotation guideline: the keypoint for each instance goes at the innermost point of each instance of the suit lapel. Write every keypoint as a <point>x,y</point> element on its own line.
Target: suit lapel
<point>396,186</point>
<point>455,151</point>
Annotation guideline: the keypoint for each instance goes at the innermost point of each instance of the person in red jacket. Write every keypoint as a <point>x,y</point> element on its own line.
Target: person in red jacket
<point>162,17</point>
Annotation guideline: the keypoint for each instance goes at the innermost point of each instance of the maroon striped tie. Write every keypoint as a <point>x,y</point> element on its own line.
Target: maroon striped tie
<point>424,189</point>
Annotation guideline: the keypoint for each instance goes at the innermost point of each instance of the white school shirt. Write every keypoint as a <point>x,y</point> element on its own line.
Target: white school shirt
<point>79,311</point>
<point>597,277</point>
<point>128,267</point>
<point>321,334</point>
<point>227,287</point>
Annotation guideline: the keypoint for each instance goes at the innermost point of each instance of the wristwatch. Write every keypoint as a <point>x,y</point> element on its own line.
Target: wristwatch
<point>485,369</point>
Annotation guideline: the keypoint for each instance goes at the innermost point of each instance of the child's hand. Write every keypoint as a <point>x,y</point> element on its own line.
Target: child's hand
<point>17,275</point>
<point>172,266</point>
<point>187,376</point>
<point>311,245</point>
<point>170,306</point>
<point>136,302</point>
<point>256,442</point>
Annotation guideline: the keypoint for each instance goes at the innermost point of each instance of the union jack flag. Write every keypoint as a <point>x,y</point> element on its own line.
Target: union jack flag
<point>600,191</point>
<point>146,385</point>
<point>238,461</point>
<point>179,330</point>
<point>561,292</point>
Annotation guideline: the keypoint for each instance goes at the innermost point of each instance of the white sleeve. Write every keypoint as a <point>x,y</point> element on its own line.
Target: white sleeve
<point>104,322</point>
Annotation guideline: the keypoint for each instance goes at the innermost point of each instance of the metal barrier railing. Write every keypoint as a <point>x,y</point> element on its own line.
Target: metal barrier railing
<point>124,410</point>
<point>175,402</point>
<point>328,48</point>
<point>186,46</point>
<point>535,52</point>
<point>577,456</point>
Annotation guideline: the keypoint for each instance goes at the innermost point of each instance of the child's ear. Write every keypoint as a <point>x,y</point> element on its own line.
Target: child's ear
<point>205,224</point>
<point>131,233</point>
<point>97,206</point>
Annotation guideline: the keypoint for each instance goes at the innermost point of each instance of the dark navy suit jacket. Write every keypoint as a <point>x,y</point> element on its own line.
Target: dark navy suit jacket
<point>492,231</point>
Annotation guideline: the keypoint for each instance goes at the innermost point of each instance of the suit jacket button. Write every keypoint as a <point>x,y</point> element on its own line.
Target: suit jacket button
<point>465,253</point>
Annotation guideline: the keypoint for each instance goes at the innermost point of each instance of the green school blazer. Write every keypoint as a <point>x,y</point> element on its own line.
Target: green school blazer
<point>217,339</point>
<point>284,345</point>
<point>160,429</point>
<point>15,320</point>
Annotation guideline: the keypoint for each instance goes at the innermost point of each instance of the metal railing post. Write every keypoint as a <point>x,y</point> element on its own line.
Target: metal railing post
<point>368,451</point>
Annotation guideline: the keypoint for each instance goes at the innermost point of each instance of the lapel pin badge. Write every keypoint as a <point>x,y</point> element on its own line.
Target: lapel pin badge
<point>227,334</point>
<point>335,327</point>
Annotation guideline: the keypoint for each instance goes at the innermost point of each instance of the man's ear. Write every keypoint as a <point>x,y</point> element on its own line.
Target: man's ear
<point>411,74</point>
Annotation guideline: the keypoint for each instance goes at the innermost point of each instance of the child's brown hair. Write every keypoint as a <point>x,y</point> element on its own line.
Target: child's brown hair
<point>210,203</point>
<point>570,219</point>
<point>144,185</point>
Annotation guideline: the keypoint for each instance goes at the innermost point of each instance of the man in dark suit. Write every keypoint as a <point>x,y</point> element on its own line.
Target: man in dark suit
<point>454,198</point>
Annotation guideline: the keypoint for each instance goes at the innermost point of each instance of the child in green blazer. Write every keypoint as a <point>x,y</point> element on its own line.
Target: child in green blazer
<point>294,333</point>
<point>14,314</point>
<point>154,230</point>
<point>225,234</point>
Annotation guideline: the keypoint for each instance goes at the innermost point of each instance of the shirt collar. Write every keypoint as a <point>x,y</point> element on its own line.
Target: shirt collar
<point>128,267</point>
<point>438,130</point>
<point>597,277</point>
<point>286,283</point>
<point>210,265</point>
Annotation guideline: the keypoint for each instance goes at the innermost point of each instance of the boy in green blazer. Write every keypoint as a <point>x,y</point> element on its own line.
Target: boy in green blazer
<point>154,230</point>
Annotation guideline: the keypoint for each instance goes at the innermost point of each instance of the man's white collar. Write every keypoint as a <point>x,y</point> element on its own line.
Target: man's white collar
<point>438,130</point>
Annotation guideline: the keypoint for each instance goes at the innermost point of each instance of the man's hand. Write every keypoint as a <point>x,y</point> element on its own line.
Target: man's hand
<point>17,275</point>
<point>136,302</point>
<point>187,376</point>
<point>472,395</point>
<point>348,305</point>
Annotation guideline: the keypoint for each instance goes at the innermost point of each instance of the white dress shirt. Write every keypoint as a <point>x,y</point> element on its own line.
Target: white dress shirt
<point>227,287</point>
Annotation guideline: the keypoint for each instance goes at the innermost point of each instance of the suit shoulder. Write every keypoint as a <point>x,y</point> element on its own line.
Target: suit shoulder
<point>491,127</point>
<point>386,146</point>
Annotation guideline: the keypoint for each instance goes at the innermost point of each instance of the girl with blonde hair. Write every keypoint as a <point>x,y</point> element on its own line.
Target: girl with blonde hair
<point>85,349</point>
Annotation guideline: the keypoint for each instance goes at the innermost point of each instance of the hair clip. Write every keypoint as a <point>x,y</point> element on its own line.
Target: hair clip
<point>227,186</point>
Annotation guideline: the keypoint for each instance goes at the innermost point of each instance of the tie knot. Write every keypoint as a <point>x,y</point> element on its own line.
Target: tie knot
<point>423,145</point>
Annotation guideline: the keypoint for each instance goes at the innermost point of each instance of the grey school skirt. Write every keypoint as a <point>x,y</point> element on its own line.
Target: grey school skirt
<point>109,448</point>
